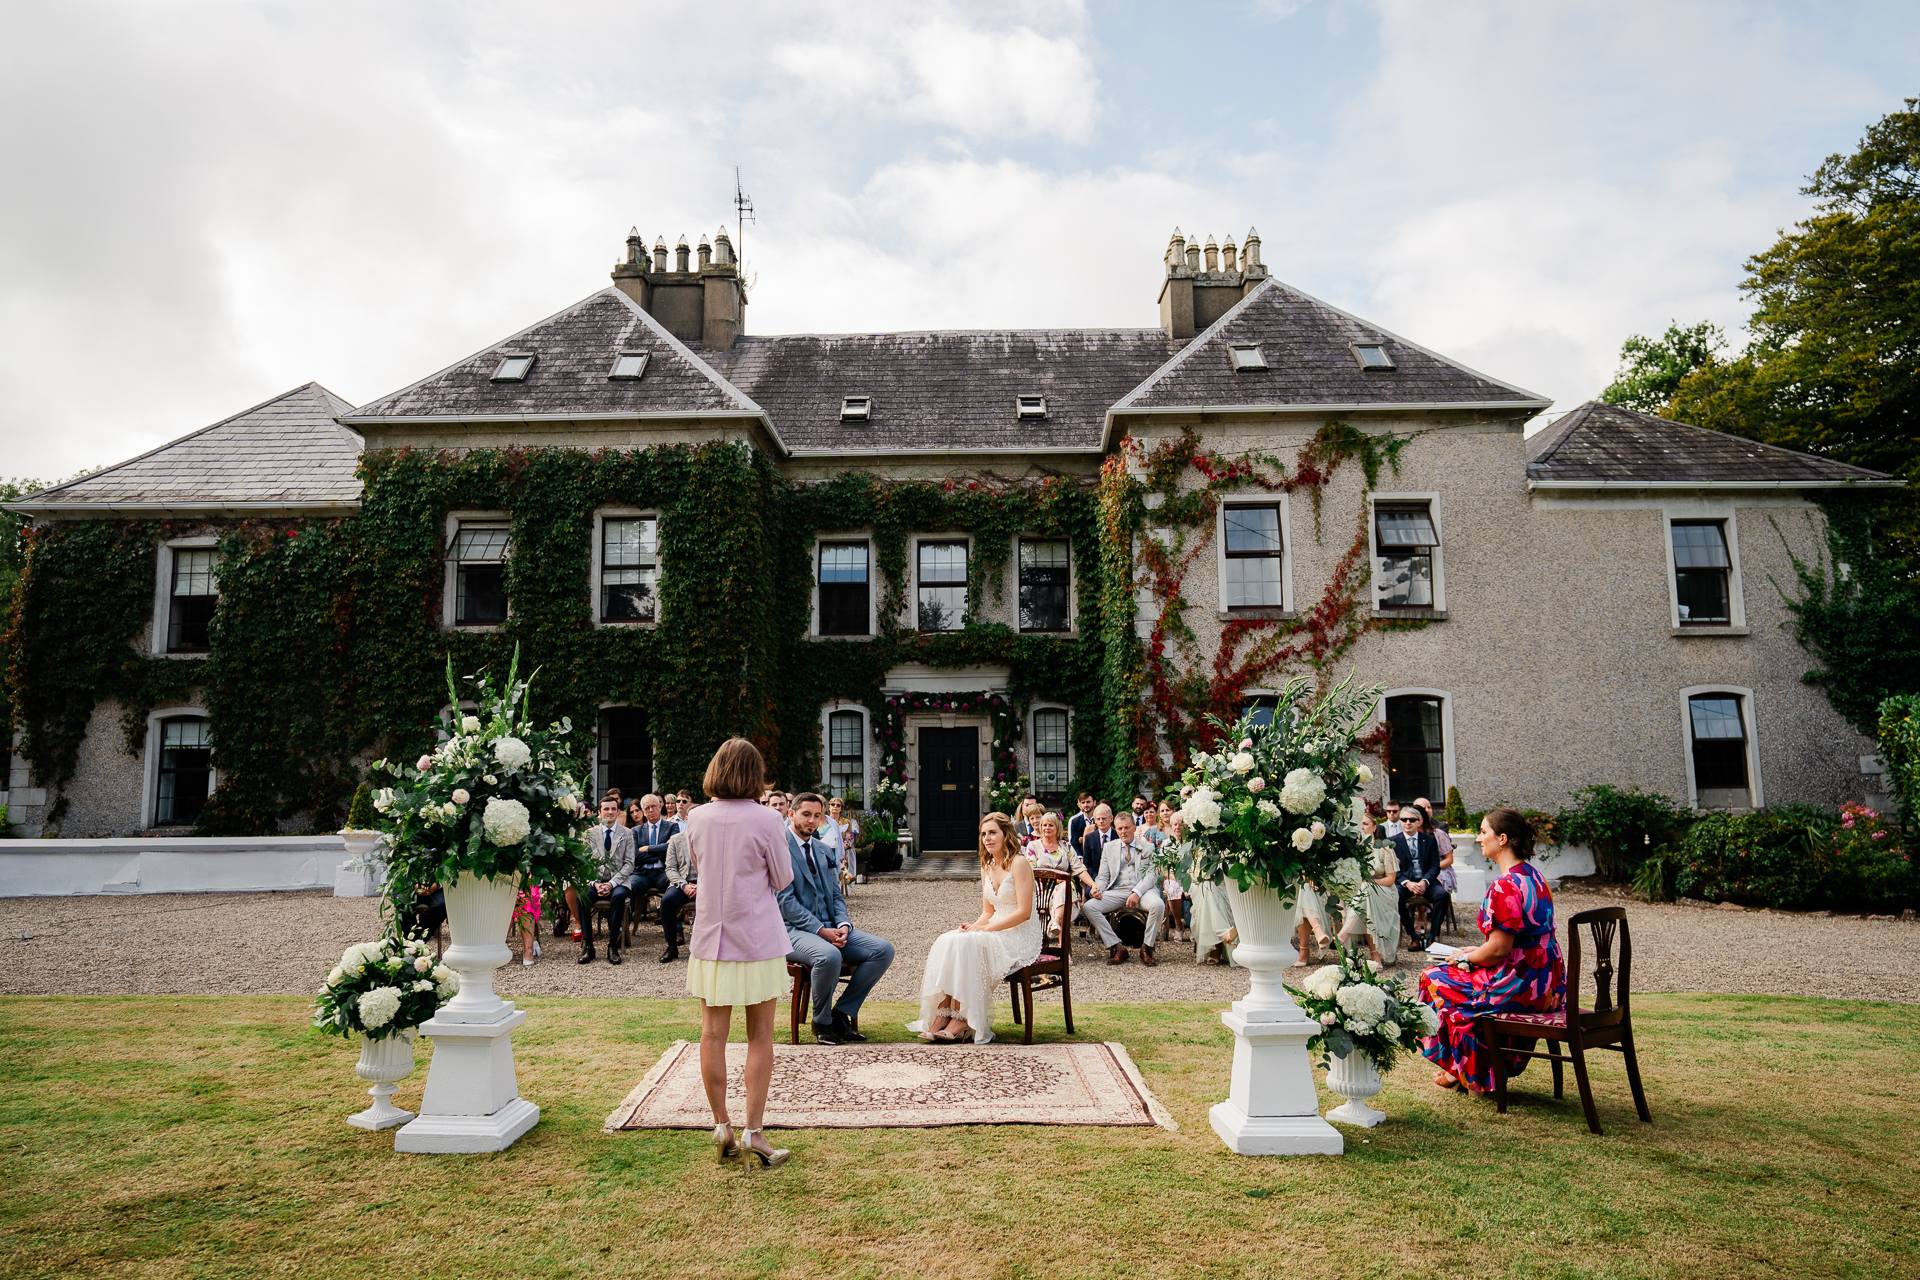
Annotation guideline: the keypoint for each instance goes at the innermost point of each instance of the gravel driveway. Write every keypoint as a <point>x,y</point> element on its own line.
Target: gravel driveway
<point>283,943</point>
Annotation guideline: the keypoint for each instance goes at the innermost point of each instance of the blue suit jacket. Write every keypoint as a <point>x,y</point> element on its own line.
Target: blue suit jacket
<point>813,901</point>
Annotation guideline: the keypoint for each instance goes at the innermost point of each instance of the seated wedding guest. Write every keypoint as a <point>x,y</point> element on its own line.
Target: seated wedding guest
<point>1379,921</point>
<point>1028,812</point>
<point>780,803</point>
<point>1080,821</point>
<point>1419,878</point>
<point>428,914</point>
<point>1139,807</point>
<point>831,832</point>
<point>650,836</point>
<point>1126,879</point>
<point>1214,936</point>
<point>1518,969</point>
<point>610,847</point>
<point>631,817</point>
<point>682,806</point>
<point>1094,837</point>
<point>1310,921</point>
<point>682,888</point>
<point>739,944</point>
<point>820,933</point>
<point>1049,852</point>
<point>526,922</point>
<point>1445,841</point>
<point>968,964</point>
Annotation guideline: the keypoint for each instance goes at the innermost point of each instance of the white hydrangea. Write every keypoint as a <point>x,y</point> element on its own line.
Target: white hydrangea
<point>1202,809</point>
<point>1242,763</point>
<point>1302,839</point>
<point>1363,1001</point>
<point>1344,879</point>
<point>1429,1021</point>
<point>1269,808</point>
<point>1366,774</point>
<point>423,984</point>
<point>506,821</point>
<point>378,1006</point>
<point>1302,792</point>
<point>1323,982</point>
<point>353,961</point>
<point>469,724</point>
<point>512,753</point>
<point>1359,1027</point>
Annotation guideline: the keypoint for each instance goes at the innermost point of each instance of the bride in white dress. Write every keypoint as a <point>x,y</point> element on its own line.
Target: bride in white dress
<point>968,964</point>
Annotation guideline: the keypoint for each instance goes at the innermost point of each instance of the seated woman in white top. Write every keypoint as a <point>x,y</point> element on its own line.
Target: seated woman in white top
<point>968,964</point>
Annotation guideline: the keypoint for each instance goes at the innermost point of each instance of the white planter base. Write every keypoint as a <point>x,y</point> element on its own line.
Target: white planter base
<point>382,1114</point>
<point>1356,1111</point>
<point>472,1101</point>
<point>468,1135</point>
<point>1275,1135</point>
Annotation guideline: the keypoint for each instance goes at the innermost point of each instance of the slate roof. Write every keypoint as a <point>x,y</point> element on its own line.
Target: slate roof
<point>944,391</point>
<point>1305,344</point>
<point>573,352</point>
<point>285,453</point>
<point>1605,444</point>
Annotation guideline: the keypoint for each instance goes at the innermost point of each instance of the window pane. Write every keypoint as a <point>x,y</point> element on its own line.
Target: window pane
<point>627,543</point>
<point>480,543</point>
<point>626,751</point>
<point>1253,583</point>
<point>183,733</point>
<point>628,366</point>
<point>843,608</point>
<point>846,754</point>
<point>943,562</point>
<point>628,595</point>
<point>844,733</point>
<point>1700,546</point>
<point>186,769</point>
<point>1253,530</point>
<point>1043,555</point>
<point>1405,527</point>
<point>1716,716</point>
<point>1702,595</point>
<point>1417,754</point>
<point>843,562</point>
<point>943,608</point>
<point>480,595</point>
<point>1050,755</point>
<point>1406,581</point>
<point>193,573</point>
<point>188,619</point>
<point>1044,581</point>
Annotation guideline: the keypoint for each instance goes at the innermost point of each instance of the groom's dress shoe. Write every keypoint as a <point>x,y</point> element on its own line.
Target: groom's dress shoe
<point>613,954</point>
<point>1146,957</point>
<point>672,954</point>
<point>843,1028</point>
<point>825,1034</point>
<point>586,955</point>
<point>1117,956</point>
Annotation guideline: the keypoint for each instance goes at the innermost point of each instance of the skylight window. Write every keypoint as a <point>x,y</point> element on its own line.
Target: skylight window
<point>856,409</point>
<point>628,365</point>
<point>1033,406</point>
<point>1373,357</point>
<point>513,369</point>
<point>1246,355</point>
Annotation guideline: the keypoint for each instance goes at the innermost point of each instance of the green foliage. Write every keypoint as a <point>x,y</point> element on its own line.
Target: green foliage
<point>1899,733</point>
<point>1796,857</point>
<point>1456,815</point>
<point>1858,613</point>
<point>1653,880</point>
<point>1652,369</point>
<point>360,812</point>
<point>1620,826</point>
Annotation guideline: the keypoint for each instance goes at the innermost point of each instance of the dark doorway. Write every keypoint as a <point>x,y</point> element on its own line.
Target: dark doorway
<point>949,790</point>
<point>626,752</point>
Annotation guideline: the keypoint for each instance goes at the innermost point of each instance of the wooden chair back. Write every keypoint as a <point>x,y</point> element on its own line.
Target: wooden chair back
<point>1612,977</point>
<point>1056,955</point>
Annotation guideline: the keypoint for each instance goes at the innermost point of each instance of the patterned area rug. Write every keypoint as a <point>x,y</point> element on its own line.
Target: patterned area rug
<point>905,1086</point>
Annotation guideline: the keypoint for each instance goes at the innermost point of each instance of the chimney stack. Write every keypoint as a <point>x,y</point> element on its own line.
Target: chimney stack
<point>1205,279</point>
<point>1176,291</point>
<point>704,305</point>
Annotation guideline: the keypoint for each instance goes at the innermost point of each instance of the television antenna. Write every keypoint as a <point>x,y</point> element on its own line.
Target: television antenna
<point>742,214</point>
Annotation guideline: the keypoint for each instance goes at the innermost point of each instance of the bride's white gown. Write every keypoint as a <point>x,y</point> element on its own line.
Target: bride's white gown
<point>970,966</point>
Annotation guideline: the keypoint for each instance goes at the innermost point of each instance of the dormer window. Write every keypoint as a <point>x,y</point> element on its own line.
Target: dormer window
<point>1246,355</point>
<point>1373,357</point>
<point>628,365</point>
<point>513,368</point>
<point>856,409</point>
<point>1032,406</point>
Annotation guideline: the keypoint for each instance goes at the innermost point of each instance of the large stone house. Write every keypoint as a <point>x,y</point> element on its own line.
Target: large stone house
<point>1601,602</point>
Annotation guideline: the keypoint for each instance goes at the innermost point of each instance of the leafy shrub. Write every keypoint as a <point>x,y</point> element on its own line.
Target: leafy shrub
<point>360,815</point>
<point>1546,827</point>
<point>1900,752</point>
<point>1798,857</point>
<point>1621,826</point>
<point>1870,867</point>
<point>1456,810</point>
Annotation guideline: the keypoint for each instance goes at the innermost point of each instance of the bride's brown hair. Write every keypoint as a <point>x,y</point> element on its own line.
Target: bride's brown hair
<point>1008,844</point>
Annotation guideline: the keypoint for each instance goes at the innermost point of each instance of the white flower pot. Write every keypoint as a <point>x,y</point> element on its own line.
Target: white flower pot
<point>383,1064</point>
<point>478,913</point>
<point>1265,949</point>
<point>1355,1079</point>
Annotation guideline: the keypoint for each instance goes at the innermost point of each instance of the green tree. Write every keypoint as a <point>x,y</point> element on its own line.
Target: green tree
<point>1652,369</point>
<point>13,545</point>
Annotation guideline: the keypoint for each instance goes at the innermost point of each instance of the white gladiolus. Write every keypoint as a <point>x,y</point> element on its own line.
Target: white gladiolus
<point>383,799</point>
<point>1302,839</point>
<point>1366,774</point>
<point>460,795</point>
<point>1302,792</point>
<point>512,753</point>
<point>378,1006</point>
<point>1323,982</point>
<point>469,724</point>
<point>506,821</point>
<point>1242,763</point>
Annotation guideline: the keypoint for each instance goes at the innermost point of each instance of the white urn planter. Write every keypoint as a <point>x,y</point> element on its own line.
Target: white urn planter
<point>383,1064</point>
<point>356,877</point>
<point>1356,1079</point>
<point>1272,1107</point>
<point>472,1101</point>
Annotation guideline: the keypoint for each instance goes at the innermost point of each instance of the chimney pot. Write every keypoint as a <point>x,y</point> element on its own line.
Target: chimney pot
<point>1251,253</point>
<point>706,253</point>
<point>680,255</point>
<point>1213,254</point>
<point>1229,258</point>
<point>723,249</point>
<point>660,255</point>
<point>636,247</point>
<point>1193,255</point>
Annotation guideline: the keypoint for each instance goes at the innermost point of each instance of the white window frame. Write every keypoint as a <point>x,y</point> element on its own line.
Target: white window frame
<point>1695,512</point>
<point>913,576</point>
<point>593,756</point>
<point>1285,502</point>
<point>600,516</point>
<point>866,735</point>
<point>163,590</point>
<point>1749,720</point>
<point>1033,758</point>
<point>1432,499</point>
<point>450,586</point>
<point>150,772</point>
<point>1012,586</point>
<point>1447,741</point>
<point>873,584</point>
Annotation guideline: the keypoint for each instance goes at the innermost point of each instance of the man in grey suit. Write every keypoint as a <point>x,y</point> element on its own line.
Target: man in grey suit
<point>1126,879</point>
<point>650,847</point>
<point>610,845</point>
<point>822,937</point>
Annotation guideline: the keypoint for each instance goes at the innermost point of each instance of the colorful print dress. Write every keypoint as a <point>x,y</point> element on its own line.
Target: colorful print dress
<point>1532,979</point>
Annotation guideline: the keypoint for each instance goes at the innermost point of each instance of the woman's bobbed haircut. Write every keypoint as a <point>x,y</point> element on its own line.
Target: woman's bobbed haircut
<point>736,772</point>
<point>1513,824</point>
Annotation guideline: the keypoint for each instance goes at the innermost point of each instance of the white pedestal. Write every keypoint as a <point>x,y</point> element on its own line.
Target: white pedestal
<point>472,1101</point>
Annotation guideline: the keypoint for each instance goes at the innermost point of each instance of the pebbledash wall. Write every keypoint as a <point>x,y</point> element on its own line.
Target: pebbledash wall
<point>1556,655</point>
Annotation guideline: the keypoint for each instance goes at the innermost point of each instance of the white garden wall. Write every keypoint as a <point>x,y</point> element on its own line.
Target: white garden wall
<point>177,864</point>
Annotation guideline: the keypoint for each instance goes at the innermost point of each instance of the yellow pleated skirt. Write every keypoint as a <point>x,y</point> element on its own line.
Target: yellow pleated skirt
<point>741,982</point>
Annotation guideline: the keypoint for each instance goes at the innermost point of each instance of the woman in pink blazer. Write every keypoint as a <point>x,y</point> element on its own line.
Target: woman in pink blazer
<point>739,950</point>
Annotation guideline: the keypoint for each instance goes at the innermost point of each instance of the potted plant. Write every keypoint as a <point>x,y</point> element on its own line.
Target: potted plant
<point>356,877</point>
<point>382,991</point>
<point>882,839</point>
<point>1366,1022</point>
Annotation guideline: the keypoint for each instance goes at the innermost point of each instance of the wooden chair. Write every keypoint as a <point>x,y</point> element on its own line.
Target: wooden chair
<point>1607,1025</point>
<point>1056,957</point>
<point>802,977</point>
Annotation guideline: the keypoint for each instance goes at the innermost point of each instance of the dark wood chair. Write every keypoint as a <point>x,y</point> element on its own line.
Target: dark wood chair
<point>1608,1024</point>
<point>1055,965</point>
<point>803,992</point>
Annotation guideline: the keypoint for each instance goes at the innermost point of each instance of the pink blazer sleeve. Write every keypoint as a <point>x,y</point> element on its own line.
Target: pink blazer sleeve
<point>779,863</point>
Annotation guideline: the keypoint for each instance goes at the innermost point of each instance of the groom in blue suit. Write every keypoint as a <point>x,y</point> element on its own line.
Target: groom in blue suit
<point>818,929</point>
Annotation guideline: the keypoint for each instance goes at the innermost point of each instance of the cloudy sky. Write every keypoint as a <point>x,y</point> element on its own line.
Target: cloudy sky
<point>207,202</point>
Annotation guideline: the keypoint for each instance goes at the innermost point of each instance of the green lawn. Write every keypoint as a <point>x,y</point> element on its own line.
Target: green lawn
<point>204,1137</point>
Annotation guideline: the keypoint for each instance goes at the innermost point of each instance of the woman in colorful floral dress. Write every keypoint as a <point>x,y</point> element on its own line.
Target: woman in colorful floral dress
<point>1518,968</point>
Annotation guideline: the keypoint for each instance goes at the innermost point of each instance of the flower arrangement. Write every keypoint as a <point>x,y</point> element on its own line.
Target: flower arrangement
<point>383,989</point>
<point>1002,796</point>
<point>890,732</point>
<point>1359,1011</point>
<point>496,799</point>
<point>890,797</point>
<point>1276,808</point>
